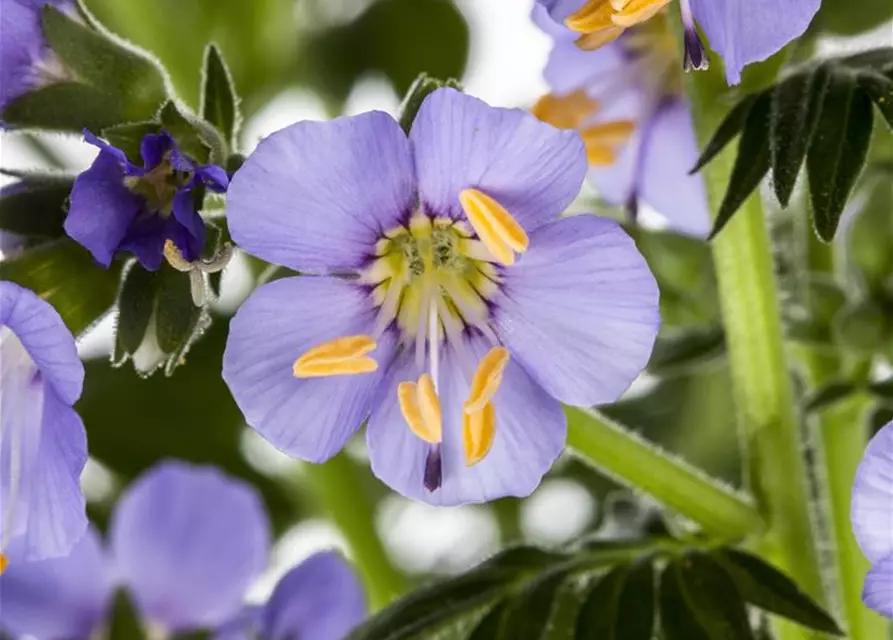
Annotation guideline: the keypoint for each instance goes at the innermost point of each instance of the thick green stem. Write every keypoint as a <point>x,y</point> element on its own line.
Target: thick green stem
<point>338,488</point>
<point>760,376</point>
<point>636,463</point>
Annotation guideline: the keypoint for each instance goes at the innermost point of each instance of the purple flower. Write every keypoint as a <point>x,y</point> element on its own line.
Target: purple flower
<point>320,599</point>
<point>872,516</point>
<point>742,31</point>
<point>26,60</point>
<point>626,101</point>
<point>451,306</point>
<point>119,206</point>
<point>43,446</point>
<point>185,541</point>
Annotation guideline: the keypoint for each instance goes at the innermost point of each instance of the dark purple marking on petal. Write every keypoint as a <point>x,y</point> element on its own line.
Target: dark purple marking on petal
<point>434,469</point>
<point>696,57</point>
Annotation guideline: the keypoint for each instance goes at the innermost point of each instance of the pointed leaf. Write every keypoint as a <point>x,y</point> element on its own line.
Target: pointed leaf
<point>64,274</point>
<point>838,151</point>
<point>129,137</point>
<point>423,86</point>
<point>136,302</point>
<point>65,106</point>
<point>729,128</point>
<point>529,616</point>
<point>765,587</point>
<point>35,206</point>
<point>681,351</point>
<point>621,606</point>
<point>829,394</point>
<point>882,389</point>
<point>751,164</point>
<point>491,625</point>
<point>219,100</point>
<point>880,89</point>
<point>796,105</point>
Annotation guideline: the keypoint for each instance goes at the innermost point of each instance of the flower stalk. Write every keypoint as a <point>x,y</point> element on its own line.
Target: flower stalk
<point>761,381</point>
<point>639,464</point>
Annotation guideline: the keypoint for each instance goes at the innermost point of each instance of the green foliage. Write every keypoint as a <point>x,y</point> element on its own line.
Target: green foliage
<point>220,104</point>
<point>114,83</point>
<point>844,18</point>
<point>36,205</point>
<point>821,114</point>
<point>523,593</point>
<point>423,86</point>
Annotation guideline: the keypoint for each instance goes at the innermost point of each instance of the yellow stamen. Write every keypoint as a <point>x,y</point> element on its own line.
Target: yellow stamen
<point>486,379</point>
<point>600,156</point>
<point>565,112</point>
<point>495,226</point>
<point>637,11</point>
<point>429,407</point>
<point>338,357</point>
<point>175,257</point>
<point>478,434</point>
<point>603,140</point>
<point>598,39</point>
<point>595,15</point>
<point>4,562</point>
<point>421,409</point>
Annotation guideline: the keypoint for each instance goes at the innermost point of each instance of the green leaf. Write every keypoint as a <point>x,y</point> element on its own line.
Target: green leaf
<point>838,151</point>
<point>699,601</point>
<point>136,303</point>
<point>529,616</point>
<point>220,104</point>
<point>621,606</point>
<point>680,351</point>
<point>196,138</point>
<point>841,17</point>
<point>423,86</point>
<point>124,619</point>
<point>730,127</point>
<point>64,274</point>
<point>129,138</point>
<point>862,327</point>
<point>765,587</point>
<point>796,105</point>
<point>883,389</point>
<point>437,604</point>
<point>65,106</point>
<point>829,394</point>
<point>36,206</point>
<point>491,625</point>
<point>751,164</point>
<point>879,88</point>
<point>128,77</point>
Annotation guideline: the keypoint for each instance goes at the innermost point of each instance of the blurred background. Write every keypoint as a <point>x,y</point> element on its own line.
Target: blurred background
<point>315,59</point>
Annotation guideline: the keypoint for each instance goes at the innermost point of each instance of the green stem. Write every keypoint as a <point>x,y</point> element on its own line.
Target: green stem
<point>761,381</point>
<point>338,488</point>
<point>636,463</point>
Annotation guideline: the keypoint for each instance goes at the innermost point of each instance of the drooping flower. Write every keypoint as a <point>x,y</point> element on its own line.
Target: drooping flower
<point>185,542</point>
<point>451,306</point>
<point>741,31</point>
<point>320,599</point>
<point>872,517</point>
<point>43,445</point>
<point>119,206</point>
<point>26,60</point>
<point>626,101</point>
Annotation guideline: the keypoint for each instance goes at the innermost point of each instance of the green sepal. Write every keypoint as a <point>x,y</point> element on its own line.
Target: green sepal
<point>220,103</point>
<point>36,205</point>
<point>124,619</point>
<point>129,138</point>
<point>195,137</point>
<point>423,87</point>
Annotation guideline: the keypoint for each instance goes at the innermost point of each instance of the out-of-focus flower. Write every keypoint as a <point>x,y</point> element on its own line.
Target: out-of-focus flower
<point>185,541</point>
<point>119,206</point>
<point>322,598</point>
<point>26,60</point>
<point>626,101</point>
<point>452,306</point>
<point>43,447</point>
<point>742,31</point>
<point>872,517</point>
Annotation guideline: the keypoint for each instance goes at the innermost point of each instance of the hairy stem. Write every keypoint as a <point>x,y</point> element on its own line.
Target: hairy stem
<point>761,379</point>
<point>641,465</point>
<point>338,487</point>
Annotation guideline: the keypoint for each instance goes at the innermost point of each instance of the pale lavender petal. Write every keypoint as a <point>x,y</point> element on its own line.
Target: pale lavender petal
<point>316,196</point>
<point>102,208</point>
<point>744,32</point>
<point>320,599</point>
<point>245,626</point>
<point>559,10</point>
<point>530,435</point>
<point>603,72</point>
<point>46,339</point>
<point>878,590</point>
<point>188,541</point>
<point>61,598</point>
<point>665,184</point>
<point>872,505</point>
<point>311,418</point>
<point>22,45</point>
<point>534,170</point>
<point>580,310</point>
<point>618,183</point>
<point>541,18</point>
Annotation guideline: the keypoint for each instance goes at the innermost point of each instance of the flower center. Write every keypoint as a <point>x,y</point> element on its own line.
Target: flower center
<point>159,186</point>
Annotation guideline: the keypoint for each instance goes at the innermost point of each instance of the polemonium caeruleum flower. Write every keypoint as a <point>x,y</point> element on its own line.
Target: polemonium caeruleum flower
<point>320,599</point>
<point>185,542</point>
<point>26,60</point>
<point>872,515</point>
<point>741,31</point>
<point>119,206</point>
<point>626,101</point>
<point>43,446</point>
<point>450,306</point>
